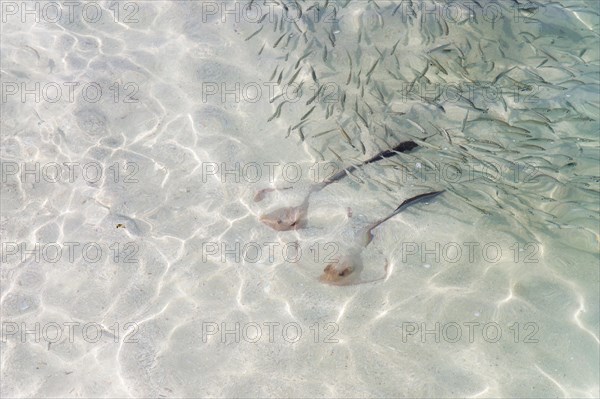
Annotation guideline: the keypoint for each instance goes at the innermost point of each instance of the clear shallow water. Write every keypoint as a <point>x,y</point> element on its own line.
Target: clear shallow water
<point>520,172</point>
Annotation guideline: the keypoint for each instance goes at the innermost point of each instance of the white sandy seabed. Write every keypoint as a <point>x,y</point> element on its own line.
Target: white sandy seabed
<point>160,314</point>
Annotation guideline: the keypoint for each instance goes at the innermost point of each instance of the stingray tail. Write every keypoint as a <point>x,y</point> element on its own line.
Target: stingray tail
<point>401,207</point>
<point>413,200</point>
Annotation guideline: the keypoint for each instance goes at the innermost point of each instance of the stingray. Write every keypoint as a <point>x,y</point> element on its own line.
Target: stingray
<point>345,270</point>
<point>292,218</point>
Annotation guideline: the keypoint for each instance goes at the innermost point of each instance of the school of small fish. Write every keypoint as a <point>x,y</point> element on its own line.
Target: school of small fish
<point>384,72</point>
